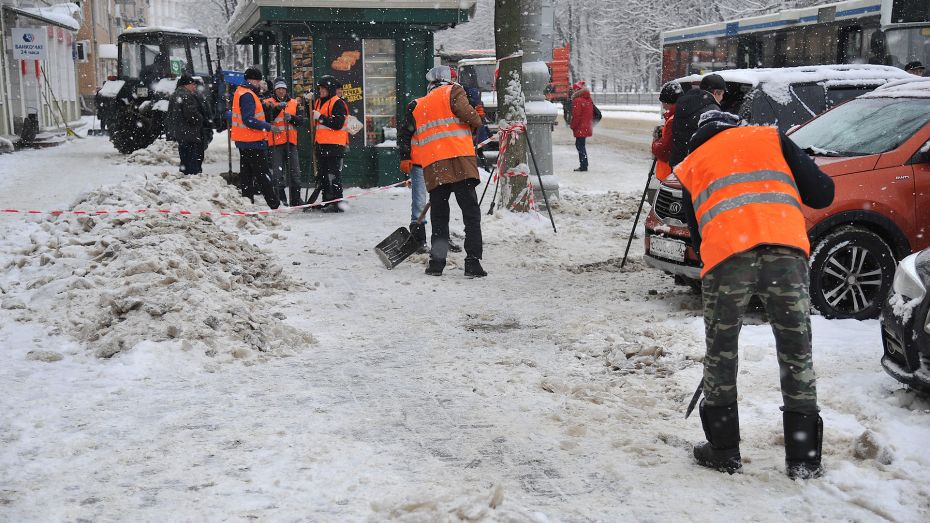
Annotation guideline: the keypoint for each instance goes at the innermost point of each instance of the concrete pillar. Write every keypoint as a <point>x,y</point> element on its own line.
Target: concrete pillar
<point>540,113</point>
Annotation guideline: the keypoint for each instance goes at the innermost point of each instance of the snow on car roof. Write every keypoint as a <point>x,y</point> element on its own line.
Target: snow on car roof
<point>162,29</point>
<point>777,82</point>
<point>805,74</point>
<point>477,61</point>
<point>913,87</point>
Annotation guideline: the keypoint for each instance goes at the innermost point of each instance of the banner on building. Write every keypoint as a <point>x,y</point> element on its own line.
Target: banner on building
<point>30,43</point>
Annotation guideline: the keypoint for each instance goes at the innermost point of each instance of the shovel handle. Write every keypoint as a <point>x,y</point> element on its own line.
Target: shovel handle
<point>423,213</point>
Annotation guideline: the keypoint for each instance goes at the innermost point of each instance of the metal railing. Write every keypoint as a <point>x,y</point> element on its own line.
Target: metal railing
<point>626,98</point>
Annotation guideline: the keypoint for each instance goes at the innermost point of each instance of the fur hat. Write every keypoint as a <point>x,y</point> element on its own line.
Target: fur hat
<point>670,92</point>
<point>440,73</point>
<point>723,117</point>
<point>253,73</point>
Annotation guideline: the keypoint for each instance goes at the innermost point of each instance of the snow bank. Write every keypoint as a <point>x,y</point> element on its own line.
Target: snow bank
<point>163,152</point>
<point>114,282</point>
<point>6,146</point>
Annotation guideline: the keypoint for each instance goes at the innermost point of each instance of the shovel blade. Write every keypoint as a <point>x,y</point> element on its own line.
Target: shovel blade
<point>396,248</point>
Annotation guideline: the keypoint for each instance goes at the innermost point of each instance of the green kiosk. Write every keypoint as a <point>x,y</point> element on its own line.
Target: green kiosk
<point>379,51</point>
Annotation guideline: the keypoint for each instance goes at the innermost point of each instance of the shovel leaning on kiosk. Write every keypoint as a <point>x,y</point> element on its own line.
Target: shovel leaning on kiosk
<point>400,244</point>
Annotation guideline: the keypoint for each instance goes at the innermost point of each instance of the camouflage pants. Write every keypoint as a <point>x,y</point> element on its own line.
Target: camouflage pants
<point>780,277</point>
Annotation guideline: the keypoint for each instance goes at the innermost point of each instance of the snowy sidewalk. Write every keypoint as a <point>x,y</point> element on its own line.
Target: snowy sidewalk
<point>552,390</point>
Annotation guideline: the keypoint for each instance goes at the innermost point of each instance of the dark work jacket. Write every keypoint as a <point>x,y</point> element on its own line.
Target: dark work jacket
<point>405,131</point>
<point>688,110</point>
<point>186,118</point>
<point>814,186</point>
<point>336,121</point>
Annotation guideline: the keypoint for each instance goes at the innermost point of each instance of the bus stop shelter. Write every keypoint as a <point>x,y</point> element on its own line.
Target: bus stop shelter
<point>379,51</point>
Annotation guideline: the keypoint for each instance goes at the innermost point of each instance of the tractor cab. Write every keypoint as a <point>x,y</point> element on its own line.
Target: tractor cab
<point>151,60</point>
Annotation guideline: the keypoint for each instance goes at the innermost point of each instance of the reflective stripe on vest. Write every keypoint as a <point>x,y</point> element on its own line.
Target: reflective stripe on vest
<point>288,131</point>
<point>440,135</point>
<point>324,134</point>
<point>239,131</point>
<point>743,194</point>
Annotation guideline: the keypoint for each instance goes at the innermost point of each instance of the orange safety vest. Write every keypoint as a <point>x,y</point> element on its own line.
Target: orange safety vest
<point>288,132</point>
<point>239,132</point>
<point>326,135</point>
<point>744,194</point>
<point>440,135</point>
<point>663,169</point>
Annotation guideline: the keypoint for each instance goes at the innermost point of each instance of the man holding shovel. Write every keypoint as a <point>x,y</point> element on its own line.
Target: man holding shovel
<point>443,122</point>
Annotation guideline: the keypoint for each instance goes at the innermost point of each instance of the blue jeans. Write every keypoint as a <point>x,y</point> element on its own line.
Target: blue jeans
<point>418,193</point>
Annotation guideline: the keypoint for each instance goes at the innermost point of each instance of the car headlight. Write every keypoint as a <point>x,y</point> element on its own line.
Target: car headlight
<point>142,92</point>
<point>906,280</point>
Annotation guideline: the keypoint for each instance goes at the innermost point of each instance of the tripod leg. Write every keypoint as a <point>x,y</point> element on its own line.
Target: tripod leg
<point>494,198</point>
<point>541,186</point>
<point>490,177</point>
<point>638,212</point>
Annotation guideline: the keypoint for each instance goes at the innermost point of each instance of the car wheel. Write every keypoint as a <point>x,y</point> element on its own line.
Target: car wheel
<point>852,270</point>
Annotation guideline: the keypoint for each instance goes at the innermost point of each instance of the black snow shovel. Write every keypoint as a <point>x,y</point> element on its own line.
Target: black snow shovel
<point>400,244</point>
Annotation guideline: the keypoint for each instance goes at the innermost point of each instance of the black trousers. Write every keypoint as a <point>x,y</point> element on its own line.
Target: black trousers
<point>191,154</point>
<point>330,173</point>
<point>255,176</point>
<point>582,152</point>
<point>467,199</point>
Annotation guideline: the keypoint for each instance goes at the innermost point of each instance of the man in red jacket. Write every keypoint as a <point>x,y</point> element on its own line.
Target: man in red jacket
<point>582,122</point>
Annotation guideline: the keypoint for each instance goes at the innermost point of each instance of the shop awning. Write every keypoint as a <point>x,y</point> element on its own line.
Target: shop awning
<point>59,15</point>
<point>437,14</point>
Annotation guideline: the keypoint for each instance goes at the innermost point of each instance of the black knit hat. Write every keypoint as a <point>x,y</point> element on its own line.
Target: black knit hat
<point>713,82</point>
<point>916,64</point>
<point>185,79</point>
<point>329,82</point>
<point>253,73</point>
<point>670,92</point>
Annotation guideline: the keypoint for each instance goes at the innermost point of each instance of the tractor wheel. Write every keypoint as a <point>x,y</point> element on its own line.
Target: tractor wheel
<point>130,130</point>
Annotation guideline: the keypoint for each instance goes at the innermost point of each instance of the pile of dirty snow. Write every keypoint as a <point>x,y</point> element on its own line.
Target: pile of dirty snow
<point>483,507</point>
<point>113,282</point>
<point>163,152</point>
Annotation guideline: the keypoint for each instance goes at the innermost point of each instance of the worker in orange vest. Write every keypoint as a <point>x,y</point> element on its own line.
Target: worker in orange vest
<point>248,129</point>
<point>330,112</point>
<point>442,145</point>
<point>744,188</point>
<point>282,111</point>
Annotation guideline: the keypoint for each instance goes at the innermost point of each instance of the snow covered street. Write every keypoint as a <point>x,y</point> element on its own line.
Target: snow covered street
<point>174,368</point>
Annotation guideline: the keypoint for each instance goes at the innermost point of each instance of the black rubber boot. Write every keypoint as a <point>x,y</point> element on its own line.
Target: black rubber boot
<point>435,267</point>
<point>803,445</point>
<point>721,427</point>
<point>418,231</point>
<point>473,268</point>
<point>294,200</point>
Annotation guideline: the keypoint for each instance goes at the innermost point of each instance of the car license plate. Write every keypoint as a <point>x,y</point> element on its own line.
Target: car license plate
<point>669,249</point>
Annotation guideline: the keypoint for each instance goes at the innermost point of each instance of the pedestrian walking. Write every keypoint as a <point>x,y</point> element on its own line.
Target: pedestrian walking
<point>743,190</point>
<point>330,112</point>
<point>582,122</point>
<point>916,68</point>
<point>442,142</point>
<point>688,110</point>
<point>249,129</point>
<point>282,111</point>
<point>188,125</point>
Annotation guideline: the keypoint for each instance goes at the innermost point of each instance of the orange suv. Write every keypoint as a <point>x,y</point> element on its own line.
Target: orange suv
<point>877,150</point>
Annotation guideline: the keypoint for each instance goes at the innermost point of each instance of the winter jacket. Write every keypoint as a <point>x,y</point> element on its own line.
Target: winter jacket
<point>582,114</point>
<point>248,108</point>
<point>688,110</point>
<point>186,118</point>
<point>662,146</point>
<point>815,188</point>
<point>444,171</point>
<point>336,121</point>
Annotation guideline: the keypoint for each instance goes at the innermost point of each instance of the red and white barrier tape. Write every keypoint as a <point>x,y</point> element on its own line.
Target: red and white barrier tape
<point>507,136</point>
<point>182,212</point>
